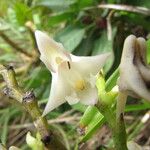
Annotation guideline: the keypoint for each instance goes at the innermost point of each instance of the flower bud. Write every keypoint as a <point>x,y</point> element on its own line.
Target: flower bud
<point>134,70</point>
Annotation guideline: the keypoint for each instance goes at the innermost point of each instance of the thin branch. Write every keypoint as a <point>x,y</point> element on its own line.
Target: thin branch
<point>31,28</point>
<point>14,45</point>
<point>134,9</point>
<point>121,102</point>
<point>120,131</point>
<point>109,27</point>
<point>52,121</point>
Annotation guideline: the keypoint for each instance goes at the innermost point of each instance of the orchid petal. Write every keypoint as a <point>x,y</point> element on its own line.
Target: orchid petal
<point>50,51</point>
<point>58,92</point>
<point>72,99</point>
<point>91,64</point>
<point>89,96</point>
<point>72,74</point>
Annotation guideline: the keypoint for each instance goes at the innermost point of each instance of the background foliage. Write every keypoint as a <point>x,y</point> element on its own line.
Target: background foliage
<point>84,29</point>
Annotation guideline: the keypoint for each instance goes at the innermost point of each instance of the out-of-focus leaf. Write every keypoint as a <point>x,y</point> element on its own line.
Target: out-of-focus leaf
<point>80,107</point>
<point>23,13</point>
<point>95,123</point>
<point>38,77</point>
<point>137,107</point>
<point>8,57</point>
<point>112,80</point>
<point>5,127</point>
<point>11,16</point>
<point>37,20</point>
<point>57,18</point>
<point>144,3</point>
<point>57,5</point>
<point>71,37</point>
<point>39,80</point>
<point>136,19</point>
<point>111,1</point>
<point>4,6</point>
<point>85,3</point>
<point>3,25</point>
<point>86,45</point>
<point>88,115</point>
<point>103,45</point>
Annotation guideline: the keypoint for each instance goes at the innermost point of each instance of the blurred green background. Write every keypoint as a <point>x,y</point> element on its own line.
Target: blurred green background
<point>84,27</point>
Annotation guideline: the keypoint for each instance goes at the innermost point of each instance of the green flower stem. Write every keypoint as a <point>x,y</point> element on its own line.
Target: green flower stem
<point>121,102</point>
<point>117,126</point>
<point>119,134</point>
<point>114,120</point>
<point>29,102</point>
<point>120,124</point>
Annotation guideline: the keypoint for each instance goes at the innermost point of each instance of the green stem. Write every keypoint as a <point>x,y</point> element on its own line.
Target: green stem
<point>119,134</point>
<point>121,102</point>
<point>120,124</point>
<point>115,121</point>
<point>117,127</point>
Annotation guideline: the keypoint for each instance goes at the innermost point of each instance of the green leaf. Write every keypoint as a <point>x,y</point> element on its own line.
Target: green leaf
<point>86,46</point>
<point>71,37</point>
<point>5,127</point>
<point>57,5</point>
<point>60,17</point>
<point>93,124</point>
<point>85,3</point>
<point>88,115</point>
<point>8,57</point>
<point>144,3</point>
<point>79,107</point>
<point>111,81</point>
<point>137,107</point>
<point>38,77</point>
<point>23,13</point>
<point>137,19</point>
<point>103,45</point>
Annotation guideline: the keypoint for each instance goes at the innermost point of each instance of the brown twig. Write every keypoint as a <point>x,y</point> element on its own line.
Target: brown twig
<point>134,9</point>
<point>14,45</point>
<point>109,27</point>
<point>31,28</point>
<point>52,121</point>
<point>29,102</point>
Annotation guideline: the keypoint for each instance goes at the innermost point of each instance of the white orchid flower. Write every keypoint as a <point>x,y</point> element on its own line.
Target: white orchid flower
<point>134,71</point>
<point>73,78</point>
